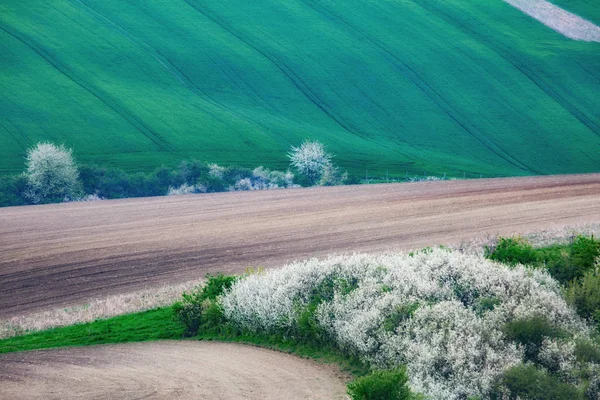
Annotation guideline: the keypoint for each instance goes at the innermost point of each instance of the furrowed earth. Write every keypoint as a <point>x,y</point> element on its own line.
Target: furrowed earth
<point>63,254</point>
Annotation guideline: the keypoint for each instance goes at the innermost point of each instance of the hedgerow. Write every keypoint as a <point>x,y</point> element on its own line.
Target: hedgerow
<point>459,323</point>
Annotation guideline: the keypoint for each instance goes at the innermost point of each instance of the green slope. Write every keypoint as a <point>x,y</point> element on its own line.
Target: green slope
<point>454,85</point>
<point>588,9</point>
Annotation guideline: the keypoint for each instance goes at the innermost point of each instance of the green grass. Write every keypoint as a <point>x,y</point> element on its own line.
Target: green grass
<point>399,85</point>
<point>588,9</point>
<point>160,324</point>
<point>139,327</point>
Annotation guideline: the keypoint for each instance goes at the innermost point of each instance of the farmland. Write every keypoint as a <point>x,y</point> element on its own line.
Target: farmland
<point>63,254</point>
<point>196,370</point>
<point>406,86</point>
<point>587,9</point>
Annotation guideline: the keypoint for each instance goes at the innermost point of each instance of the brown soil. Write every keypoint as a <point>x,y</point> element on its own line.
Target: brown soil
<point>64,254</point>
<point>166,370</point>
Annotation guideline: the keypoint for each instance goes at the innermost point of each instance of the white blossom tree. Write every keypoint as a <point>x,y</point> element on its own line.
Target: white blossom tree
<point>310,160</point>
<point>51,173</point>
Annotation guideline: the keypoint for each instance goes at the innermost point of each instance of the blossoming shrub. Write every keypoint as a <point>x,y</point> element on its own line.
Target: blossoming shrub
<point>458,322</point>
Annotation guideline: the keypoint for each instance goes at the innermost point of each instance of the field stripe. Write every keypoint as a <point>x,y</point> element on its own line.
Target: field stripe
<point>296,81</point>
<point>506,54</point>
<point>102,97</point>
<point>429,91</point>
<point>558,19</point>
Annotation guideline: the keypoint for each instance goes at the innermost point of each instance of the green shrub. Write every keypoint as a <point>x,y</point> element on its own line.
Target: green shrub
<point>380,385</point>
<point>581,258</point>
<point>585,251</point>
<point>399,315</point>
<point>12,190</point>
<point>200,309</point>
<point>587,351</point>
<point>529,382</point>
<point>191,171</point>
<point>530,333</point>
<point>512,251</point>
<point>584,295</point>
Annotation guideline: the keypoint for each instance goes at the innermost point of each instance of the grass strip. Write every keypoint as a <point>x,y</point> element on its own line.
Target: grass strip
<point>139,327</point>
<point>160,324</point>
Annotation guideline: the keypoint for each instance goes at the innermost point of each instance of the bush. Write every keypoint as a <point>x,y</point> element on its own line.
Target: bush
<point>584,295</point>
<point>530,333</point>
<point>580,258</point>
<point>586,351</point>
<point>512,251</point>
<point>585,251</point>
<point>331,176</point>
<point>529,382</point>
<point>381,385</point>
<point>564,263</point>
<point>201,309</point>
<point>191,171</point>
<point>452,344</point>
<point>52,174</point>
<point>12,190</point>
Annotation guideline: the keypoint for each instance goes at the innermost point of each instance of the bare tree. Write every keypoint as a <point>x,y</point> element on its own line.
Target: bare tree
<point>51,173</point>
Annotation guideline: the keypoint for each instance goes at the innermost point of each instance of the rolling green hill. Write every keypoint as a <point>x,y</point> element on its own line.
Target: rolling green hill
<point>588,9</point>
<point>417,85</point>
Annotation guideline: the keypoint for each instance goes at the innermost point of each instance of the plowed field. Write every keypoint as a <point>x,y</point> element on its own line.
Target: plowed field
<point>63,254</point>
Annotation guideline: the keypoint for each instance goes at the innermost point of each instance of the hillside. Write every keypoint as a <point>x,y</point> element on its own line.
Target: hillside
<point>588,9</point>
<point>404,85</point>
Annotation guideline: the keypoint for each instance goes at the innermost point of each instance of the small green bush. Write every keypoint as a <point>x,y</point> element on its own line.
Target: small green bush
<point>399,315</point>
<point>585,251</point>
<point>587,351</point>
<point>530,333</point>
<point>200,309</point>
<point>584,295</point>
<point>581,258</point>
<point>12,190</point>
<point>512,251</point>
<point>381,385</point>
<point>531,383</point>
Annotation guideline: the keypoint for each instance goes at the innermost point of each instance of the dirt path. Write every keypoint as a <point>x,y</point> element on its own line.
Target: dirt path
<point>166,370</point>
<point>562,21</point>
<point>64,254</point>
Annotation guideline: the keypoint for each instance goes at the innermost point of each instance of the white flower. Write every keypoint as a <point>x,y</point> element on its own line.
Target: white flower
<point>438,312</point>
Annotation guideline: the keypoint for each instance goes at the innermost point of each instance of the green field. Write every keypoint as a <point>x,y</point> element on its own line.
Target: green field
<point>398,85</point>
<point>588,9</point>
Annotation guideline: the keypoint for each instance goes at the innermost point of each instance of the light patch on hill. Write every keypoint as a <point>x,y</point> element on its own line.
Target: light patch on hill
<point>554,17</point>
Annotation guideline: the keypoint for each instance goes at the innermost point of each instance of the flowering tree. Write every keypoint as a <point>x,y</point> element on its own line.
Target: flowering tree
<point>51,173</point>
<point>310,160</point>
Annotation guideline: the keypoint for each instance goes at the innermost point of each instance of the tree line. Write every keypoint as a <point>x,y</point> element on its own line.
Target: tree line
<point>52,175</point>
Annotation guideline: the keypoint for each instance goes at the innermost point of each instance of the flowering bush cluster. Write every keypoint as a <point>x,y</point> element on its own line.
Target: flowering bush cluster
<point>233,179</point>
<point>442,314</point>
<point>264,179</point>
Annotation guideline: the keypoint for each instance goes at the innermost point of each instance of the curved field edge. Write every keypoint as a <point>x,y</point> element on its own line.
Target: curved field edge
<point>310,345</point>
<point>140,84</point>
<point>161,324</point>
